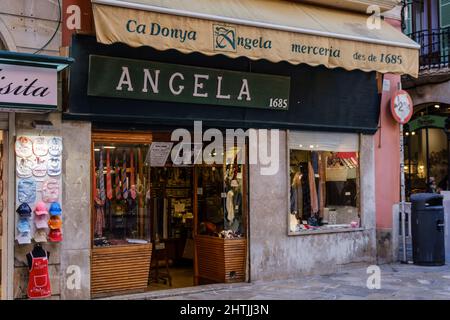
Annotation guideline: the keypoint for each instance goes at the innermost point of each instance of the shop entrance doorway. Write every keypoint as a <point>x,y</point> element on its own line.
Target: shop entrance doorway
<point>198,219</point>
<point>159,224</point>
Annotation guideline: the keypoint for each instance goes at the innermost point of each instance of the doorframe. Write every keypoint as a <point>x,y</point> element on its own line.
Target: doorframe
<point>7,292</point>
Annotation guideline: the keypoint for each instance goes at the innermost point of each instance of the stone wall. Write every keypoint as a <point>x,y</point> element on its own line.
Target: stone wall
<point>24,127</point>
<point>275,255</point>
<point>75,248</point>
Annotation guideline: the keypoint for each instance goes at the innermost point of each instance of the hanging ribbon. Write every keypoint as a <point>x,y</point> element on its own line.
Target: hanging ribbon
<point>109,192</point>
<point>124,176</point>
<point>132,182</point>
<point>140,186</point>
<point>101,178</point>
<point>94,184</point>
<point>117,174</point>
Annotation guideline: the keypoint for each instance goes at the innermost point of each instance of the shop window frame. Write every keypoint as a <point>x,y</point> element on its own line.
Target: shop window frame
<point>119,137</point>
<point>323,231</point>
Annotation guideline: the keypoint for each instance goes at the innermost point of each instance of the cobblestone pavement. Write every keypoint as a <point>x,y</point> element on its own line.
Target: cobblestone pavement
<point>398,281</point>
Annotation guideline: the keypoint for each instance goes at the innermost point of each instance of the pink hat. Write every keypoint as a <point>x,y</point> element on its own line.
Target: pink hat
<point>41,208</point>
<point>42,221</point>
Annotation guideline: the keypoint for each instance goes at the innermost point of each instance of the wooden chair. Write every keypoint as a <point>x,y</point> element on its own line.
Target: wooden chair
<point>160,259</point>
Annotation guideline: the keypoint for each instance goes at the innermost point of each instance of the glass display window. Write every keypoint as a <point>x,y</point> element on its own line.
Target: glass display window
<point>324,186</point>
<point>120,189</point>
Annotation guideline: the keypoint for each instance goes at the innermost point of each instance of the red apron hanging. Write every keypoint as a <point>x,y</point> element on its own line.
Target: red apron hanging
<point>39,281</point>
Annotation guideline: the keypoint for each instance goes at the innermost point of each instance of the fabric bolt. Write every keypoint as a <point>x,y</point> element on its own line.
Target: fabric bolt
<point>109,191</point>
<point>101,178</point>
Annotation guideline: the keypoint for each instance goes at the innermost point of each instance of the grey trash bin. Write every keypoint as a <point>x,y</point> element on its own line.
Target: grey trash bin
<point>427,228</point>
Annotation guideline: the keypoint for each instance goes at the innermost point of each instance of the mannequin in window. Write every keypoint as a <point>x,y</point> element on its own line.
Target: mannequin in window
<point>234,206</point>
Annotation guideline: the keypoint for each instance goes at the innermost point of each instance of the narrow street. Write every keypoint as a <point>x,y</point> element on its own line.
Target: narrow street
<point>398,282</point>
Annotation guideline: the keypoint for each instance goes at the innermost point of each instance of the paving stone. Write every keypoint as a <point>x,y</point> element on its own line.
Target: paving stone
<point>398,282</point>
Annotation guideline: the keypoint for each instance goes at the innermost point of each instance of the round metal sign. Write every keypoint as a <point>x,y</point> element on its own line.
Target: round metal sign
<point>402,107</point>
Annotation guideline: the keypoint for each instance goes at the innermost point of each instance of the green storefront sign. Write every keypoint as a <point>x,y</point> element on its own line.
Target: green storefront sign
<point>147,80</point>
<point>427,122</point>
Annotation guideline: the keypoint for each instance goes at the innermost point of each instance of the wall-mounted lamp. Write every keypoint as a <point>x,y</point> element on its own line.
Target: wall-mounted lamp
<point>42,125</point>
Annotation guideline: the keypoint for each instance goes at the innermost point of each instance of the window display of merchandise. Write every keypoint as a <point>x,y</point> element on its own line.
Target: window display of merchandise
<point>220,201</point>
<point>324,190</point>
<point>120,193</point>
<point>172,202</point>
<point>38,189</point>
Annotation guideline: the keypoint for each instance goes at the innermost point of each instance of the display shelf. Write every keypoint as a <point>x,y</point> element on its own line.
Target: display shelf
<point>220,260</point>
<point>120,268</point>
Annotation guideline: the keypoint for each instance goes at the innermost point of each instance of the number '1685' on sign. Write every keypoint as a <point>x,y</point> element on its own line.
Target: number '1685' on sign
<point>278,103</point>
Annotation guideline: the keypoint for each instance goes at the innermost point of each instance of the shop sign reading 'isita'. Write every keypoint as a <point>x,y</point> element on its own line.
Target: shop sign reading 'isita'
<point>147,80</point>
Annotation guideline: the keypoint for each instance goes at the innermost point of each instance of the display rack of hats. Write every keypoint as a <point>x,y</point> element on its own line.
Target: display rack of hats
<point>38,189</point>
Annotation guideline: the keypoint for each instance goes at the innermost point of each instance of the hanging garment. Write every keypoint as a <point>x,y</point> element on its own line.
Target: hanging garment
<point>297,196</point>
<point>94,184</point>
<point>132,175</point>
<point>306,196</point>
<point>109,192</point>
<point>117,179</point>
<point>39,280</point>
<point>230,205</point>
<point>312,189</point>
<point>315,166</point>
<point>99,217</point>
<point>124,176</point>
<point>101,178</point>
